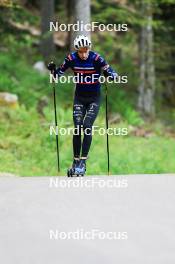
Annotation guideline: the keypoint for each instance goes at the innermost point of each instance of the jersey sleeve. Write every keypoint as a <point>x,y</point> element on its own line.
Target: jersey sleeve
<point>64,66</point>
<point>107,70</point>
<point>100,61</point>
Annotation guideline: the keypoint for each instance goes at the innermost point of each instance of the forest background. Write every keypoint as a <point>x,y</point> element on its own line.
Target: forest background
<point>145,105</point>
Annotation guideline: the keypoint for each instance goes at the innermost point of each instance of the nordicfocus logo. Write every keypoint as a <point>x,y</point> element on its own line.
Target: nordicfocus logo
<point>101,131</point>
<point>79,26</point>
<point>56,182</point>
<point>93,234</point>
<point>89,79</point>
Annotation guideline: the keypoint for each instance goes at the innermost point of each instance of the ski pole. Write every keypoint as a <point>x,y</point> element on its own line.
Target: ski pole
<point>56,124</point>
<point>107,136</point>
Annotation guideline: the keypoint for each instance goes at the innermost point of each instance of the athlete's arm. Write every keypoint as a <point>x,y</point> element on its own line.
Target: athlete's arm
<point>107,70</point>
<point>64,66</point>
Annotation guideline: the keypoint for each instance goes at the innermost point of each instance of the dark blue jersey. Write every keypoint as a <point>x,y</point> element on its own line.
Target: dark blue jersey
<point>87,72</point>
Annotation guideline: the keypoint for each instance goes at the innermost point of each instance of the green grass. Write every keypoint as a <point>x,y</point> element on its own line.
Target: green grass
<point>27,149</point>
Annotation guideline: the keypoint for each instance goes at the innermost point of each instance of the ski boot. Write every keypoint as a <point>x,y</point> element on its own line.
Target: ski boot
<point>71,171</point>
<point>80,169</point>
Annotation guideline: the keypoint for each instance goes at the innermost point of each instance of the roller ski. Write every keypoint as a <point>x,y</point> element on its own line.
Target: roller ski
<point>78,168</point>
<point>81,168</point>
<point>71,171</point>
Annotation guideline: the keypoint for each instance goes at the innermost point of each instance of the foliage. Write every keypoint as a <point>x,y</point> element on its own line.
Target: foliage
<point>25,143</point>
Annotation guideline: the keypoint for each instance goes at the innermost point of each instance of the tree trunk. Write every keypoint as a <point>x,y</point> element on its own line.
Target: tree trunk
<point>146,102</point>
<point>82,14</point>
<point>47,16</point>
<point>70,14</point>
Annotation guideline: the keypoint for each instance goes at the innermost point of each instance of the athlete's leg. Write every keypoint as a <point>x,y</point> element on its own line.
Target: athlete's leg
<point>79,111</point>
<point>91,114</point>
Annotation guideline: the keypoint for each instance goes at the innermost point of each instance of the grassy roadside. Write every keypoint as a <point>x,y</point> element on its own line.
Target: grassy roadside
<point>27,149</point>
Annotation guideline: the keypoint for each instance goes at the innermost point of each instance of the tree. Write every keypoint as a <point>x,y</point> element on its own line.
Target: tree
<point>70,15</point>
<point>147,72</point>
<point>47,15</point>
<point>165,51</point>
<point>82,14</point>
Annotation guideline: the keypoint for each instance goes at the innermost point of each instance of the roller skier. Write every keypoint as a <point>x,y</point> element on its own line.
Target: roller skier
<point>89,65</point>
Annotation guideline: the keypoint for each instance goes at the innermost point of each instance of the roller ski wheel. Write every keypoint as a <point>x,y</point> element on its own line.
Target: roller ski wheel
<point>71,173</point>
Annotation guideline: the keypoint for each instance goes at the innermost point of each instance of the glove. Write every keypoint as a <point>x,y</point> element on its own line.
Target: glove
<point>114,75</point>
<point>51,67</point>
<point>110,73</point>
<point>105,74</point>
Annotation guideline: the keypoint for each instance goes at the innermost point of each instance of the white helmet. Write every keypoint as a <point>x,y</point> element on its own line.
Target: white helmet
<point>82,41</point>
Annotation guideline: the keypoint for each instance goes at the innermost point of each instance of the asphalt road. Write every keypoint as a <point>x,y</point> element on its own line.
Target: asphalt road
<point>91,220</point>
